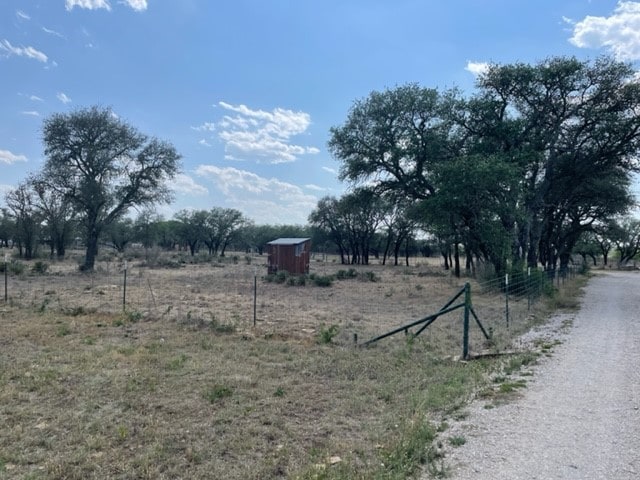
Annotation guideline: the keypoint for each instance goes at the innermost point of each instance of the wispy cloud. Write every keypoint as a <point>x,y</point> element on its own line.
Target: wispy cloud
<point>204,142</point>
<point>88,4</point>
<point>185,184</point>
<point>28,52</point>
<point>617,33</point>
<point>63,98</point>
<point>317,188</point>
<point>261,135</point>
<point>332,171</point>
<point>35,98</point>
<point>137,5</point>
<point>22,15</point>
<point>266,200</point>
<point>205,127</point>
<point>8,158</point>
<point>52,32</point>
<point>30,113</point>
<point>477,68</point>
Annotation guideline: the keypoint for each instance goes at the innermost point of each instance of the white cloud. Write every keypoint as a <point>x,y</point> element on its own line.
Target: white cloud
<point>332,171</point>
<point>88,4</point>
<point>205,127</point>
<point>618,33</point>
<point>63,98</point>
<point>477,68</point>
<point>22,15</point>
<point>261,135</point>
<point>31,113</point>
<point>265,200</point>
<point>204,143</point>
<point>8,158</point>
<point>137,5</point>
<point>317,188</point>
<point>52,32</point>
<point>29,52</point>
<point>35,98</point>
<point>185,184</point>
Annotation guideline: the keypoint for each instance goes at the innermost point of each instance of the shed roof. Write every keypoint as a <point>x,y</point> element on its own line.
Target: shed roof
<point>288,241</point>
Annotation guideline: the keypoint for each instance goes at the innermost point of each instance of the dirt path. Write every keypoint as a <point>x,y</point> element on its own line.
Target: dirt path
<point>579,418</point>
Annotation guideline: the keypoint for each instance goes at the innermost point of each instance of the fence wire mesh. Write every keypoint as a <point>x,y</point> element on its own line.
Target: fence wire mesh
<point>235,294</point>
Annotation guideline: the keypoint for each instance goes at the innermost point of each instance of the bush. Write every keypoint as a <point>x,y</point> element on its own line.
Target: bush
<point>40,267</point>
<point>346,274</point>
<point>323,280</point>
<point>370,276</point>
<point>326,334</point>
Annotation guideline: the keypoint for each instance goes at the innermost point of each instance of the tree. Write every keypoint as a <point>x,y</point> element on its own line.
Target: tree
<point>327,217</point>
<point>103,166</point>
<point>626,235</point>
<point>192,228</point>
<point>57,214</point>
<point>572,128</point>
<point>21,203</point>
<point>220,226</point>
<point>352,221</point>
<point>7,228</point>
<point>566,133</point>
<point>120,233</point>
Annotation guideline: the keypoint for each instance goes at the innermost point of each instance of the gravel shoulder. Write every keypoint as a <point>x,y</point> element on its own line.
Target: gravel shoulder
<point>579,417</point>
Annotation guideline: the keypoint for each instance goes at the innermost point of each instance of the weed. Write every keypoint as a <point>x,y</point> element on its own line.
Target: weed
<point>40,267</point>
<point>457,441</point>
<point>279,392</point>
<point>346,274</point>
<point>133,316</point>
<point>370,276</point>
<point>178,362</point>
<point>217,392</point>
<point>326,334</point>
<point>63,330</point>
<point>510,387</point>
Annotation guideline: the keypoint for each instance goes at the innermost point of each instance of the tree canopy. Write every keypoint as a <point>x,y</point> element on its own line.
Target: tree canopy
<point>103,166</point>
<point>515,172</point>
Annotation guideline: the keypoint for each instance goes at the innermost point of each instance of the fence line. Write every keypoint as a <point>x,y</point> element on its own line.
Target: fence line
<point>236,295</point>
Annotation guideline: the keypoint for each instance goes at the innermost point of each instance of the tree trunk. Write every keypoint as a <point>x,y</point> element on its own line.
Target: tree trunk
<point>456,255</point>
<point>92,251</point>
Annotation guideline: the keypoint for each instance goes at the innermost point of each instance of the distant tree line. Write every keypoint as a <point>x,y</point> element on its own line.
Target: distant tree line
<point>532,168</point>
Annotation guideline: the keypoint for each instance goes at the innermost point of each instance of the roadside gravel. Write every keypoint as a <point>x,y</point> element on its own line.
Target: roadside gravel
<point>579,417</point>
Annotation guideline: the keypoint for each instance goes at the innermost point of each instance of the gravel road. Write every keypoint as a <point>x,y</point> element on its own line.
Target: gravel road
<point>579,417</point>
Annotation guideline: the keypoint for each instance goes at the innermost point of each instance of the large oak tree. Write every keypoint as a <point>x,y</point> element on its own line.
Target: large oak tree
<point>104,166</point>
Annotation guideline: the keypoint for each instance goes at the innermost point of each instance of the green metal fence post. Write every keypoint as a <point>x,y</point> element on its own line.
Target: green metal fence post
<point>465,328</point>
<point>124,288</point>
<point>506,297</point>
<point>6,272</point>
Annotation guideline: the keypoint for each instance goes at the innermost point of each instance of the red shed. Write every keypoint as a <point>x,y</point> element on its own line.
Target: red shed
<point>289,254</point>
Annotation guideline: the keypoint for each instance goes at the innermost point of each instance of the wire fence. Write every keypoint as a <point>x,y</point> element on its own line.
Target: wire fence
<point>235,294</point>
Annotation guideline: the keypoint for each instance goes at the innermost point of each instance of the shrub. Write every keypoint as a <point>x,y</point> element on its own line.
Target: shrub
<point>326,334</point>
<point>323,280</point>
<point>217,392</point>
<point>40,267</point>
<point>370,276</point>
<point>346,274</point>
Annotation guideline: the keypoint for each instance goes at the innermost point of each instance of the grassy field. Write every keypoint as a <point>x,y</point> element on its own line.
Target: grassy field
<point>91,393</point>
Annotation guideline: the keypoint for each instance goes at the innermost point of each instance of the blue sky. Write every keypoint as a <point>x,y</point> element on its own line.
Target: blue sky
<point>248,90</point>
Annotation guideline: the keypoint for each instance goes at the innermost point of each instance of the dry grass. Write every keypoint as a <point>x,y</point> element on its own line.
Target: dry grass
<point>196,391</point>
